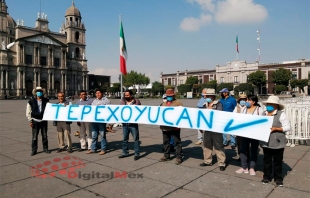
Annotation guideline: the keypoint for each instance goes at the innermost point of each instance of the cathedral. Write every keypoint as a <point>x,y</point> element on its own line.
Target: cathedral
<point>37,56</point>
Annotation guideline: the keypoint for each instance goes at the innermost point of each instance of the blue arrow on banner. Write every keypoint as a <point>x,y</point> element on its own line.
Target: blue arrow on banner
<point>228,127</point>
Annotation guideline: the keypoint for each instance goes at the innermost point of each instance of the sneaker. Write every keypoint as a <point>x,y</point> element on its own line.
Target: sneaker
<point>241,170</point>
<point>198,143</point>
<point>265,181</point>
<point>164,159</point>
<point>222,168</point>
<point>252,171</point>
<point>178,161</point>
<point>279,183</point>
<point>59,150</point>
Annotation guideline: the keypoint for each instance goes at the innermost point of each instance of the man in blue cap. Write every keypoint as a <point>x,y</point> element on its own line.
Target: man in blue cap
<point>229,104</point>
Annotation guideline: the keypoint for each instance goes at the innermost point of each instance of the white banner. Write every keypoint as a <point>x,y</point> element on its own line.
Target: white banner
<point>252,126</point>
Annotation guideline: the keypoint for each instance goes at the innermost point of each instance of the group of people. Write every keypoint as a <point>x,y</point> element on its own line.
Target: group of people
<point>247,147</point>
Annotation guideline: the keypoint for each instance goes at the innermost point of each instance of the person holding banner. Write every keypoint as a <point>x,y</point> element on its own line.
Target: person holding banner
<point>63,127</point>
<point>34,112</point>
<point>252,108</point>
<point>274,148</point>
<point>85,130</point>
<point>229,104</point>
<point>169,132</point>
<point>201,104</point>
<point>99,128</point>
<point>212,139</point>
<point>171,140</point>
<point>132,128</point>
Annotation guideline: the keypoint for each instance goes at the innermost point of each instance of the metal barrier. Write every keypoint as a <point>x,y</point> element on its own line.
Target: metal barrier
<point>298,111</point>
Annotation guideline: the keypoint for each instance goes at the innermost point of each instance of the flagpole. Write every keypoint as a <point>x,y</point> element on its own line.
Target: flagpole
<point>120,20</point>
<point>237,43</point>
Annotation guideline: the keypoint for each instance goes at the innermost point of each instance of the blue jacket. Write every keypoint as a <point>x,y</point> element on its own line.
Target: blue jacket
<point>229,103</point>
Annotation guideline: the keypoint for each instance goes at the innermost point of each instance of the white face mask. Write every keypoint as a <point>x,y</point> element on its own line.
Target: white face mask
<point>164,100</point>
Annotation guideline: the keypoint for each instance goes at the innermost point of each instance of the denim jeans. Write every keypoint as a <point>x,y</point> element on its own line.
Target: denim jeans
<point>98,128</point>
<point>37,127</point>
<point>134,130</point>
<point>232,139</point>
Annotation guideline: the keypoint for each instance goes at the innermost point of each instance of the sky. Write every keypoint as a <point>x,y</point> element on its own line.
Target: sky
<point>171,35</point>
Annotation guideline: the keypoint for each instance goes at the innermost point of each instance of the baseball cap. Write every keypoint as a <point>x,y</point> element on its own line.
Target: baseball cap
<point>224,90</point>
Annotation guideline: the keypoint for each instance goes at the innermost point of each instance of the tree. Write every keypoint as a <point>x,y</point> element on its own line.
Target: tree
<point>169,87</point>
<point>135,78</point>
<point>257,78</point>
<point>229,86</point>
<point>191,80</point>
<point>279,88</point>
<point>294,83</point>
<point>157,88</point>
<point>184,88</point>
<point>244,87</point>
<point>282,76</point>
<point>211,85</point>
<point>302,83</point>
<point>105,86</point>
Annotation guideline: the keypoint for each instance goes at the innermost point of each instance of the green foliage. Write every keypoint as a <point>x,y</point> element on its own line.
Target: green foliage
<point>113,89</point>
<point>191,80</point>
<point>257,78</point>
<point>169,87</point>
<point>294,83</point>
<point>282,76</point>
<point>300,84</point>
<point>105,86</point>
<point>135,78</point>
<point>210,85</point>
<point>279,88</point>
<point>229,86</point>
<point>157,87</point>
<point>184,88</point>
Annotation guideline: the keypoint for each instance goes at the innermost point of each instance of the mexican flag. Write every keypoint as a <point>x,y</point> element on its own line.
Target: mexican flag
<point>237,43</point>
<point>123,51</point>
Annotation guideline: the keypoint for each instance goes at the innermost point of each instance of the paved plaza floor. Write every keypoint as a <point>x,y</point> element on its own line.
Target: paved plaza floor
<point>82,175</point>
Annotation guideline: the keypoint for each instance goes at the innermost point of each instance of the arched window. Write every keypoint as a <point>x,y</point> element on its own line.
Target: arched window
<point>77,36</point>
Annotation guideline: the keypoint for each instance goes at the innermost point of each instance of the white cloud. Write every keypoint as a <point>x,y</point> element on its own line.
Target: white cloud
<point>204,4</point>
<point>194,24</point>
<point>225,12</point>
<point>114,73</point>
<point>239,12</point>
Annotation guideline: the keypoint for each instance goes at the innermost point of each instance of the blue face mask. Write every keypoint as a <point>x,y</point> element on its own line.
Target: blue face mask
<point>242,102</point>
<point>39,93</point>
<point>247,104</point>
<point>169,98</point>
<point>208,100</point>
<point>269,108</point>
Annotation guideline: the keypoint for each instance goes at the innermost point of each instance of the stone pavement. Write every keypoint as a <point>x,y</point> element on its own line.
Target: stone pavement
<point>23,176</point>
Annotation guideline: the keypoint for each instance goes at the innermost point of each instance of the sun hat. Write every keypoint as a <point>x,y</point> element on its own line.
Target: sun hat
<point>274,100</point>
<point>224,90</point>
<point>208,92</point>
<point>34,91</point>
<point>242,96</point>
<point>164,96</point>
<point>170,92</point>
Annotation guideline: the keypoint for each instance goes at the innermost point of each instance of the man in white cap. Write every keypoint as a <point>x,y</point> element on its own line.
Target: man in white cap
<point>274,148</point>
<point>213,140</point>
<point>34,113</point>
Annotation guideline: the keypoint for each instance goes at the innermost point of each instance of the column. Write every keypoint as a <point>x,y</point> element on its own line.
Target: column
<point>7,79</point>
<point>49,81</point>
<point>2,80</point>
<point>18,80</point>
<point>83,79</point>
<point>39,56</point>
<point>24,79</point>
<point>19,51</point>
<point>62,82</point>
<point>24,54</point>
<point>34,56</point>
<point>52,57</point>
<point>35,79</point>
<point>65,82</point>
<point>86,77</point>
<point>39,78</point>
<point>53,76</point>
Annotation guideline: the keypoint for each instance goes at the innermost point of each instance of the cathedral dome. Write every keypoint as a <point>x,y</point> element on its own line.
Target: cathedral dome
<point>73,11</point>
<point>11,22</point>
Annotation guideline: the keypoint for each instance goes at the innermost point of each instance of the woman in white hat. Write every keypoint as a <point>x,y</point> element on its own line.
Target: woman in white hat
<point>274,148</point>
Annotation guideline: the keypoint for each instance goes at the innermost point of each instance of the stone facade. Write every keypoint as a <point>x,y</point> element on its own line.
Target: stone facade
<point>32,57</point>
<point>236,72</point>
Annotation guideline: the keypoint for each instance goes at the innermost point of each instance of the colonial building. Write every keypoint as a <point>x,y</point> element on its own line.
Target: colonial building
<point>236,72</point>
<point>97,81</point>
<point>37,56</point>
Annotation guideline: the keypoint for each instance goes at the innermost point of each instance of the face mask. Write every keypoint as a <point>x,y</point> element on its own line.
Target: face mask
<point>164,100</point>
<point>208,100</point>
<point>169,98</point>
<point>39,93</point>
<point>127,98</point>
<point>242,102</point>
<point>269,108</point>
<point>247,104</point>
